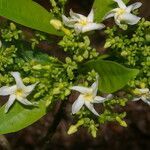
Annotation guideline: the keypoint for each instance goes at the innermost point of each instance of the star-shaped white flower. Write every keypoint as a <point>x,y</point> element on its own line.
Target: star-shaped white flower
<point>143,94</point>
<point>82,23</point>
<point>123,13</point>
<point>17,92</point>
<point>87,98</point>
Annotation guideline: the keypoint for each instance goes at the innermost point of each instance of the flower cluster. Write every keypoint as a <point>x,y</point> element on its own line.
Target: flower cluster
<point>132,49</point>
<point>29,76</point>
<point>17,60</point>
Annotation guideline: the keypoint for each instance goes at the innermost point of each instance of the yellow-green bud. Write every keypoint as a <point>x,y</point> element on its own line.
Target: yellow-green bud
<point>80,122</point>
<point>72,129</point>
<point>124,53</point>
<point>121,122</point>
<point>56,91</point>
<point>137,92</point>
<point>12,26</point>
<point>57,24</point>
<point>142,85</point>
<point>66,31</point>
<point>37,67</point>
<point>107,44</point>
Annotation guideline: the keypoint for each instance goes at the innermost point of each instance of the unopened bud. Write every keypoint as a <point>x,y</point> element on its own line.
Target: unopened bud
<point>72,129</point>
<point>124,53</point>
<point>57,24</point>
<point>12,26</point>
<point>121,122</point>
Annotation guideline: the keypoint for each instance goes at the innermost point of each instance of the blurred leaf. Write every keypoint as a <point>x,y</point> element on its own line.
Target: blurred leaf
<point>20,117</point>
<point>28,13</point>
<point>113,76</point>
<point>101,7</point>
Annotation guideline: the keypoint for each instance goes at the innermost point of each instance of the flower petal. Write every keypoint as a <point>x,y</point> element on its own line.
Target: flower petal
<point>133,6</point>
<point>117,21</point>
<point>10,102</point>
<point>18,80</point>
<point>120,3</point>
<point>144,90</point>
<point>68,22</point>
<point>81,89</point>
<point>90,17</point>
<point>77,16</point>
<point>94,86</point>
<point>145,100</point>
<point>130,18</point>
<point>136,99</point>
<point>99,99</point>
<point>109,15</point>
<point>77,104</point>
<point>91,108</point>
<point>109,96</point>
<point>92,26</point>
<point>24,101</point>
<point>30,88</point>
<point>78,28</point>
<point>65,19</point>
<point>5,90</point>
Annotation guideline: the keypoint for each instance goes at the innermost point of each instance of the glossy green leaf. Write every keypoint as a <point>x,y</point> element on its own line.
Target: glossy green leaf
<point>101,7</point>
<point>113,76</point>
<point>28,13</point>
<point>20,117</point>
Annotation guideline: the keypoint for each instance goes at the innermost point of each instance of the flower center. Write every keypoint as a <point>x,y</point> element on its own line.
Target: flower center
<point>83,22</point>
<point>120,11</point>
<point>19,92</point>
<point>88,97</point>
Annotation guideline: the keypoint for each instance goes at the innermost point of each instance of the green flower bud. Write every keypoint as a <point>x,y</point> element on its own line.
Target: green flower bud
<point>57,24</point>
<point>72,129</point>
<point>121,122</point>
<point>12,26</point>
<point>124,53</point>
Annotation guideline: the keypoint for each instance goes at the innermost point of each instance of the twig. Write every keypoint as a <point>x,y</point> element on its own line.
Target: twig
<point>53,127</point>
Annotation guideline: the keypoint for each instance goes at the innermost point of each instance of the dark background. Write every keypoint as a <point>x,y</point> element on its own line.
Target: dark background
<point>111,136</point>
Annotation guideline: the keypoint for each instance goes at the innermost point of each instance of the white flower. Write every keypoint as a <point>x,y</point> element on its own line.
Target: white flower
<point>123,13</point>
<point>82,23</point>
<point>17,92</point>
<point>143,94</point>
<point>87,98</point>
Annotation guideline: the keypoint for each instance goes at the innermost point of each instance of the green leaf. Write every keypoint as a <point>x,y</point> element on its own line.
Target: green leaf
<point>20,117</point>
<point>113,76</point>
<point>101,7</point>
<point>28,13</point>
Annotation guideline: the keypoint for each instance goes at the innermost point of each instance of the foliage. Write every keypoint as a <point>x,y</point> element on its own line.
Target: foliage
<point>113,76</point>
<point>36,17</point>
